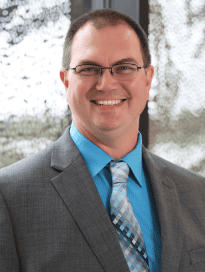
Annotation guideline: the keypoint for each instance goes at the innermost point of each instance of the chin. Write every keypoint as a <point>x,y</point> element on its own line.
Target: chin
<point>108,127</point>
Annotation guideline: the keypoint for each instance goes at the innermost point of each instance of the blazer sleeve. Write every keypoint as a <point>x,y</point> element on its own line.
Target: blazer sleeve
<point>8,254</point>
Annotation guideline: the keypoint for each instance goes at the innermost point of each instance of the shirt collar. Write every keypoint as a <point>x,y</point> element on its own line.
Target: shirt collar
<point>96,159</point>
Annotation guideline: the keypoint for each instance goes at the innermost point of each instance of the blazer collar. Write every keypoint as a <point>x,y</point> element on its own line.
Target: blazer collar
<point>168,208</point>
<point>64,151</point>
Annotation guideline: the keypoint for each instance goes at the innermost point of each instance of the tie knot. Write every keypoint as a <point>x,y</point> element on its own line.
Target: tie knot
<point>119,171</point>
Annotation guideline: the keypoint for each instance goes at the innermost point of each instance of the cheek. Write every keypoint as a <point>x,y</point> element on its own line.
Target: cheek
<point>69,98</point>
<point>75,95</point>
<point>139,90</point>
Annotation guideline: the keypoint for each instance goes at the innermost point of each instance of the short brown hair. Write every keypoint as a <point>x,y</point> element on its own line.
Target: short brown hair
<point>100,19</point>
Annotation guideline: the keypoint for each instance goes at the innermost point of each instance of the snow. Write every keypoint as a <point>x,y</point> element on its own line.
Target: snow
<point>185,42</point>
<point>40,63</point>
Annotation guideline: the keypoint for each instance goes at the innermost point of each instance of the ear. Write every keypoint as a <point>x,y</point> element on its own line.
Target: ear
<point>63,77</point>
<point>150,75</point>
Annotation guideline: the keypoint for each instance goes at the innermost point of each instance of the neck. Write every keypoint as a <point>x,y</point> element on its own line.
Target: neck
<point>117,145</point>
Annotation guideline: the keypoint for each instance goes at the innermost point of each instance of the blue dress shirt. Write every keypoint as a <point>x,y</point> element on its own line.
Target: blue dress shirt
<point>138,190</point>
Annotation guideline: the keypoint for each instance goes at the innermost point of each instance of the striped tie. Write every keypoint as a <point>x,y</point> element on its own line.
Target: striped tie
<point>124,221</point>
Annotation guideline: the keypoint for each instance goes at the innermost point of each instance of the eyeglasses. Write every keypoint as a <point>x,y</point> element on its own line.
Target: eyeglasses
<point>125,71</point>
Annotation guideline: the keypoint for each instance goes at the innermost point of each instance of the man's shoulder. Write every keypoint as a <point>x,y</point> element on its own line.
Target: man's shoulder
<point>40,161</point>
<point>42,166</point>
<point>175,172</point>
<point>28,166</point>
<point>187,185</point>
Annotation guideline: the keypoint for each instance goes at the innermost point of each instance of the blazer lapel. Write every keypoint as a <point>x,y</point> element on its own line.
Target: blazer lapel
<point>168,208</point>
<point>79,193</point>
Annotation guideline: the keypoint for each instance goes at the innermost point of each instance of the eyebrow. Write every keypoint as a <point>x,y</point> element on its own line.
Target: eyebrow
<point>125,60</point>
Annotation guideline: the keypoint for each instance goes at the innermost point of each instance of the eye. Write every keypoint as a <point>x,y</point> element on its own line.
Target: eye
<point>124,68</point>
<point>88,70</point>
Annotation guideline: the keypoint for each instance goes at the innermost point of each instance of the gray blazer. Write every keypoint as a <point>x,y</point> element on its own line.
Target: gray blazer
<point>52,218</point>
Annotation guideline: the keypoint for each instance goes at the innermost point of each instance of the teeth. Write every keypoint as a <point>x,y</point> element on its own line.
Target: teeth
<point>110,102</point>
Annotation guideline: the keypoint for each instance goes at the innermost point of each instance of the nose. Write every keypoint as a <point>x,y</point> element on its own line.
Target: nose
<point>106,81</point>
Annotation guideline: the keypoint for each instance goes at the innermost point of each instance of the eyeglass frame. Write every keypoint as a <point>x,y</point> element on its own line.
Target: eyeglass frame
<point>101,68</point>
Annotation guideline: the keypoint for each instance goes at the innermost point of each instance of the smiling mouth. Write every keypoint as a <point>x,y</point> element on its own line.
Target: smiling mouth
<point>108,103</point>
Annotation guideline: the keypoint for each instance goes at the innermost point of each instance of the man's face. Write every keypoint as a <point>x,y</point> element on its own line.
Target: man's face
<point>106,47</point>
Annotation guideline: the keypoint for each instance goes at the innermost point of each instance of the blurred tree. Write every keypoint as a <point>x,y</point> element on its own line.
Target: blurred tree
<point>169,77</point>
<point>166,74</point>
<point>19,28</point>
<point>192,17</point>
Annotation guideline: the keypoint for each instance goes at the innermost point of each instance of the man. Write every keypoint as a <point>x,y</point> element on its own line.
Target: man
<point>58,206</point>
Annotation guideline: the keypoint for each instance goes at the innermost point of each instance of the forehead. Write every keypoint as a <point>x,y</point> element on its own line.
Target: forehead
<point>110,44</point>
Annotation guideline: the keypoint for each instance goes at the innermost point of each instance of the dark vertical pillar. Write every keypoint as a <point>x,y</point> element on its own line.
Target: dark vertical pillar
<point>144,118</point>
<point>86,6</point>
<point>76,9</point>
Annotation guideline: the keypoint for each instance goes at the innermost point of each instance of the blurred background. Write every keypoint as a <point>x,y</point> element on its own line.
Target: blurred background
<point>33,108</point>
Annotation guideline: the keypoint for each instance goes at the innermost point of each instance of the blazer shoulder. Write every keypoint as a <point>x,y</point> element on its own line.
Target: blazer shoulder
<point>28,167</point>
<point>175,172</point>
<point>43,165</point>
<point>188,186</point>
